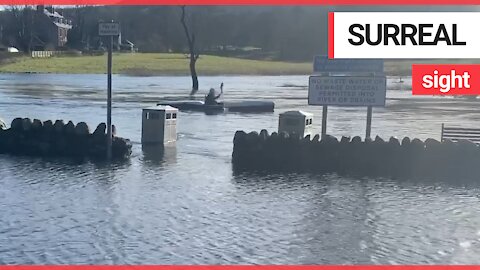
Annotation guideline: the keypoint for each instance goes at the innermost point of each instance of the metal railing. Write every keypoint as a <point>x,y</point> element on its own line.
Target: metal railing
<point>456,133</point>
<point>43,54</point>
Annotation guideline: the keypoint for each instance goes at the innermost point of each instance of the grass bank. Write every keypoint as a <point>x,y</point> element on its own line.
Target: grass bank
<point>145,64</point>
<point>149,64</point>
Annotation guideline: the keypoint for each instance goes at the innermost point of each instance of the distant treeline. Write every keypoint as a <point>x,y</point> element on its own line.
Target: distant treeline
<point>289,33</point>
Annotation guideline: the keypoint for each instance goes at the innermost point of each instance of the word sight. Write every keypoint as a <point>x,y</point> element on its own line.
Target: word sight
<point>446,80</point>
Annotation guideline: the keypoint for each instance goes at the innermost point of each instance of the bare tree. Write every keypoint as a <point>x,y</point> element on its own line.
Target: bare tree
<point>19,27</point>
<point>193,53</point>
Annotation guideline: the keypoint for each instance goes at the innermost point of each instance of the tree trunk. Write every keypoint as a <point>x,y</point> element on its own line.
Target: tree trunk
<point>193,72</point>
<point>193,55</point>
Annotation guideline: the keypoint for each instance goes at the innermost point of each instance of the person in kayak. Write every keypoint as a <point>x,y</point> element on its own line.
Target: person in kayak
<point>211,98</point>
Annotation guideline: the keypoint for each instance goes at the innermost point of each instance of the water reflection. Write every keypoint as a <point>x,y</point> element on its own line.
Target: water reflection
<point>158,154</point>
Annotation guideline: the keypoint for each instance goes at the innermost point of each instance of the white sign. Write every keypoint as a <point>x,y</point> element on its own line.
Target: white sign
<point>109,29</point>
<point>421,35</point>
<point>347,90</point>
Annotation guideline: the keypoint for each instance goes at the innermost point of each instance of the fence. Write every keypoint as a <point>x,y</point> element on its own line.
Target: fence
<point>42,54</point>
<point>47,54</point>
<point>456,133</point>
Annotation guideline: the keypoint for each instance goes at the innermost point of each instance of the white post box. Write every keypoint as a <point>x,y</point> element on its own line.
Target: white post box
<point>297,122</point>
<point>159,124</point>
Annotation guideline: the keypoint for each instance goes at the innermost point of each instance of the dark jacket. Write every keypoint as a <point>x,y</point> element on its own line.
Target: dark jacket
<point>211,99</point>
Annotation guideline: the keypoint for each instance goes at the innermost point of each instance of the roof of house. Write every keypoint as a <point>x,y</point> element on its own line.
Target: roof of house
<point>63,25</point>
<point>57,19</point>
<point>53,15</point>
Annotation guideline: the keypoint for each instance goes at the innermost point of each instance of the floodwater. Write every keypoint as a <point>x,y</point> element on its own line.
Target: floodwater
<point>185,206</point>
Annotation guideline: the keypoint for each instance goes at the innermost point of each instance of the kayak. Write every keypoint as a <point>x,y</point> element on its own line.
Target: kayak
<point>193,105</point>
<point>254,106</point>
<point>188,105</point>
<point>250,106</point>
<point>214,109</point>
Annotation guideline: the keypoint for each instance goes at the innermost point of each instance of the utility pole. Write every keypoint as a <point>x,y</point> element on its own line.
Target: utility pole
<point>109,100</point>
<point>110,30</point>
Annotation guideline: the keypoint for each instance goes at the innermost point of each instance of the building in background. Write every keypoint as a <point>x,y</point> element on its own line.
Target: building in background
<point>51,29</point>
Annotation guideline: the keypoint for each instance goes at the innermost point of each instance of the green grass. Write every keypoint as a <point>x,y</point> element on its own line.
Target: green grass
<point>146,64</point>
<point>143,64</point>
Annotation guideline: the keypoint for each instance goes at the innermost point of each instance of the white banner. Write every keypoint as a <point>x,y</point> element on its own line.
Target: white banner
<point>419,35</point>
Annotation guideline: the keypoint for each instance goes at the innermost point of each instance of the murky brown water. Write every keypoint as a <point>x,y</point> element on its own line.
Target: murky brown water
<point>186,207</point>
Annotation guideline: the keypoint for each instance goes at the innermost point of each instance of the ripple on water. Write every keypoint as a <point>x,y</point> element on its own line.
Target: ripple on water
<point>183,204</point>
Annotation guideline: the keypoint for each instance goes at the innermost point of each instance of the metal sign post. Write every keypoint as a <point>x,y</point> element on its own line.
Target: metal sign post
<point>369,122</point>
<point>110,29</point>
<point>324,121</point>
<point>109,99</point>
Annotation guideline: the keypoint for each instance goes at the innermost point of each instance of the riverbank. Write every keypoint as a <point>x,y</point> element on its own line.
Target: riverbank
<point>150,64</point>
<point>155,64</point>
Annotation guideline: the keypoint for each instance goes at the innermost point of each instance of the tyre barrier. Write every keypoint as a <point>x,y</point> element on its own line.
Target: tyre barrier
<point>57,139</point>
<point>351,156</point>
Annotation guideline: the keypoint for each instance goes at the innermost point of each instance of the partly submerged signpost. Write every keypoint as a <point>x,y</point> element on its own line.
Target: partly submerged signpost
<point>347,82</point>
<point>109,29</point>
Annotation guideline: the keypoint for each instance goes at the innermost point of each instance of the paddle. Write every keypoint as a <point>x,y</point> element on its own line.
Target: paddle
<point>221,91</point>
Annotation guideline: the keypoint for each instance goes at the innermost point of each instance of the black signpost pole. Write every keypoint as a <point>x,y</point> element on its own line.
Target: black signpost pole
<point>369,122</point>
<point>109,100</point>
<point>110,30</point>
<point>324,121</point>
